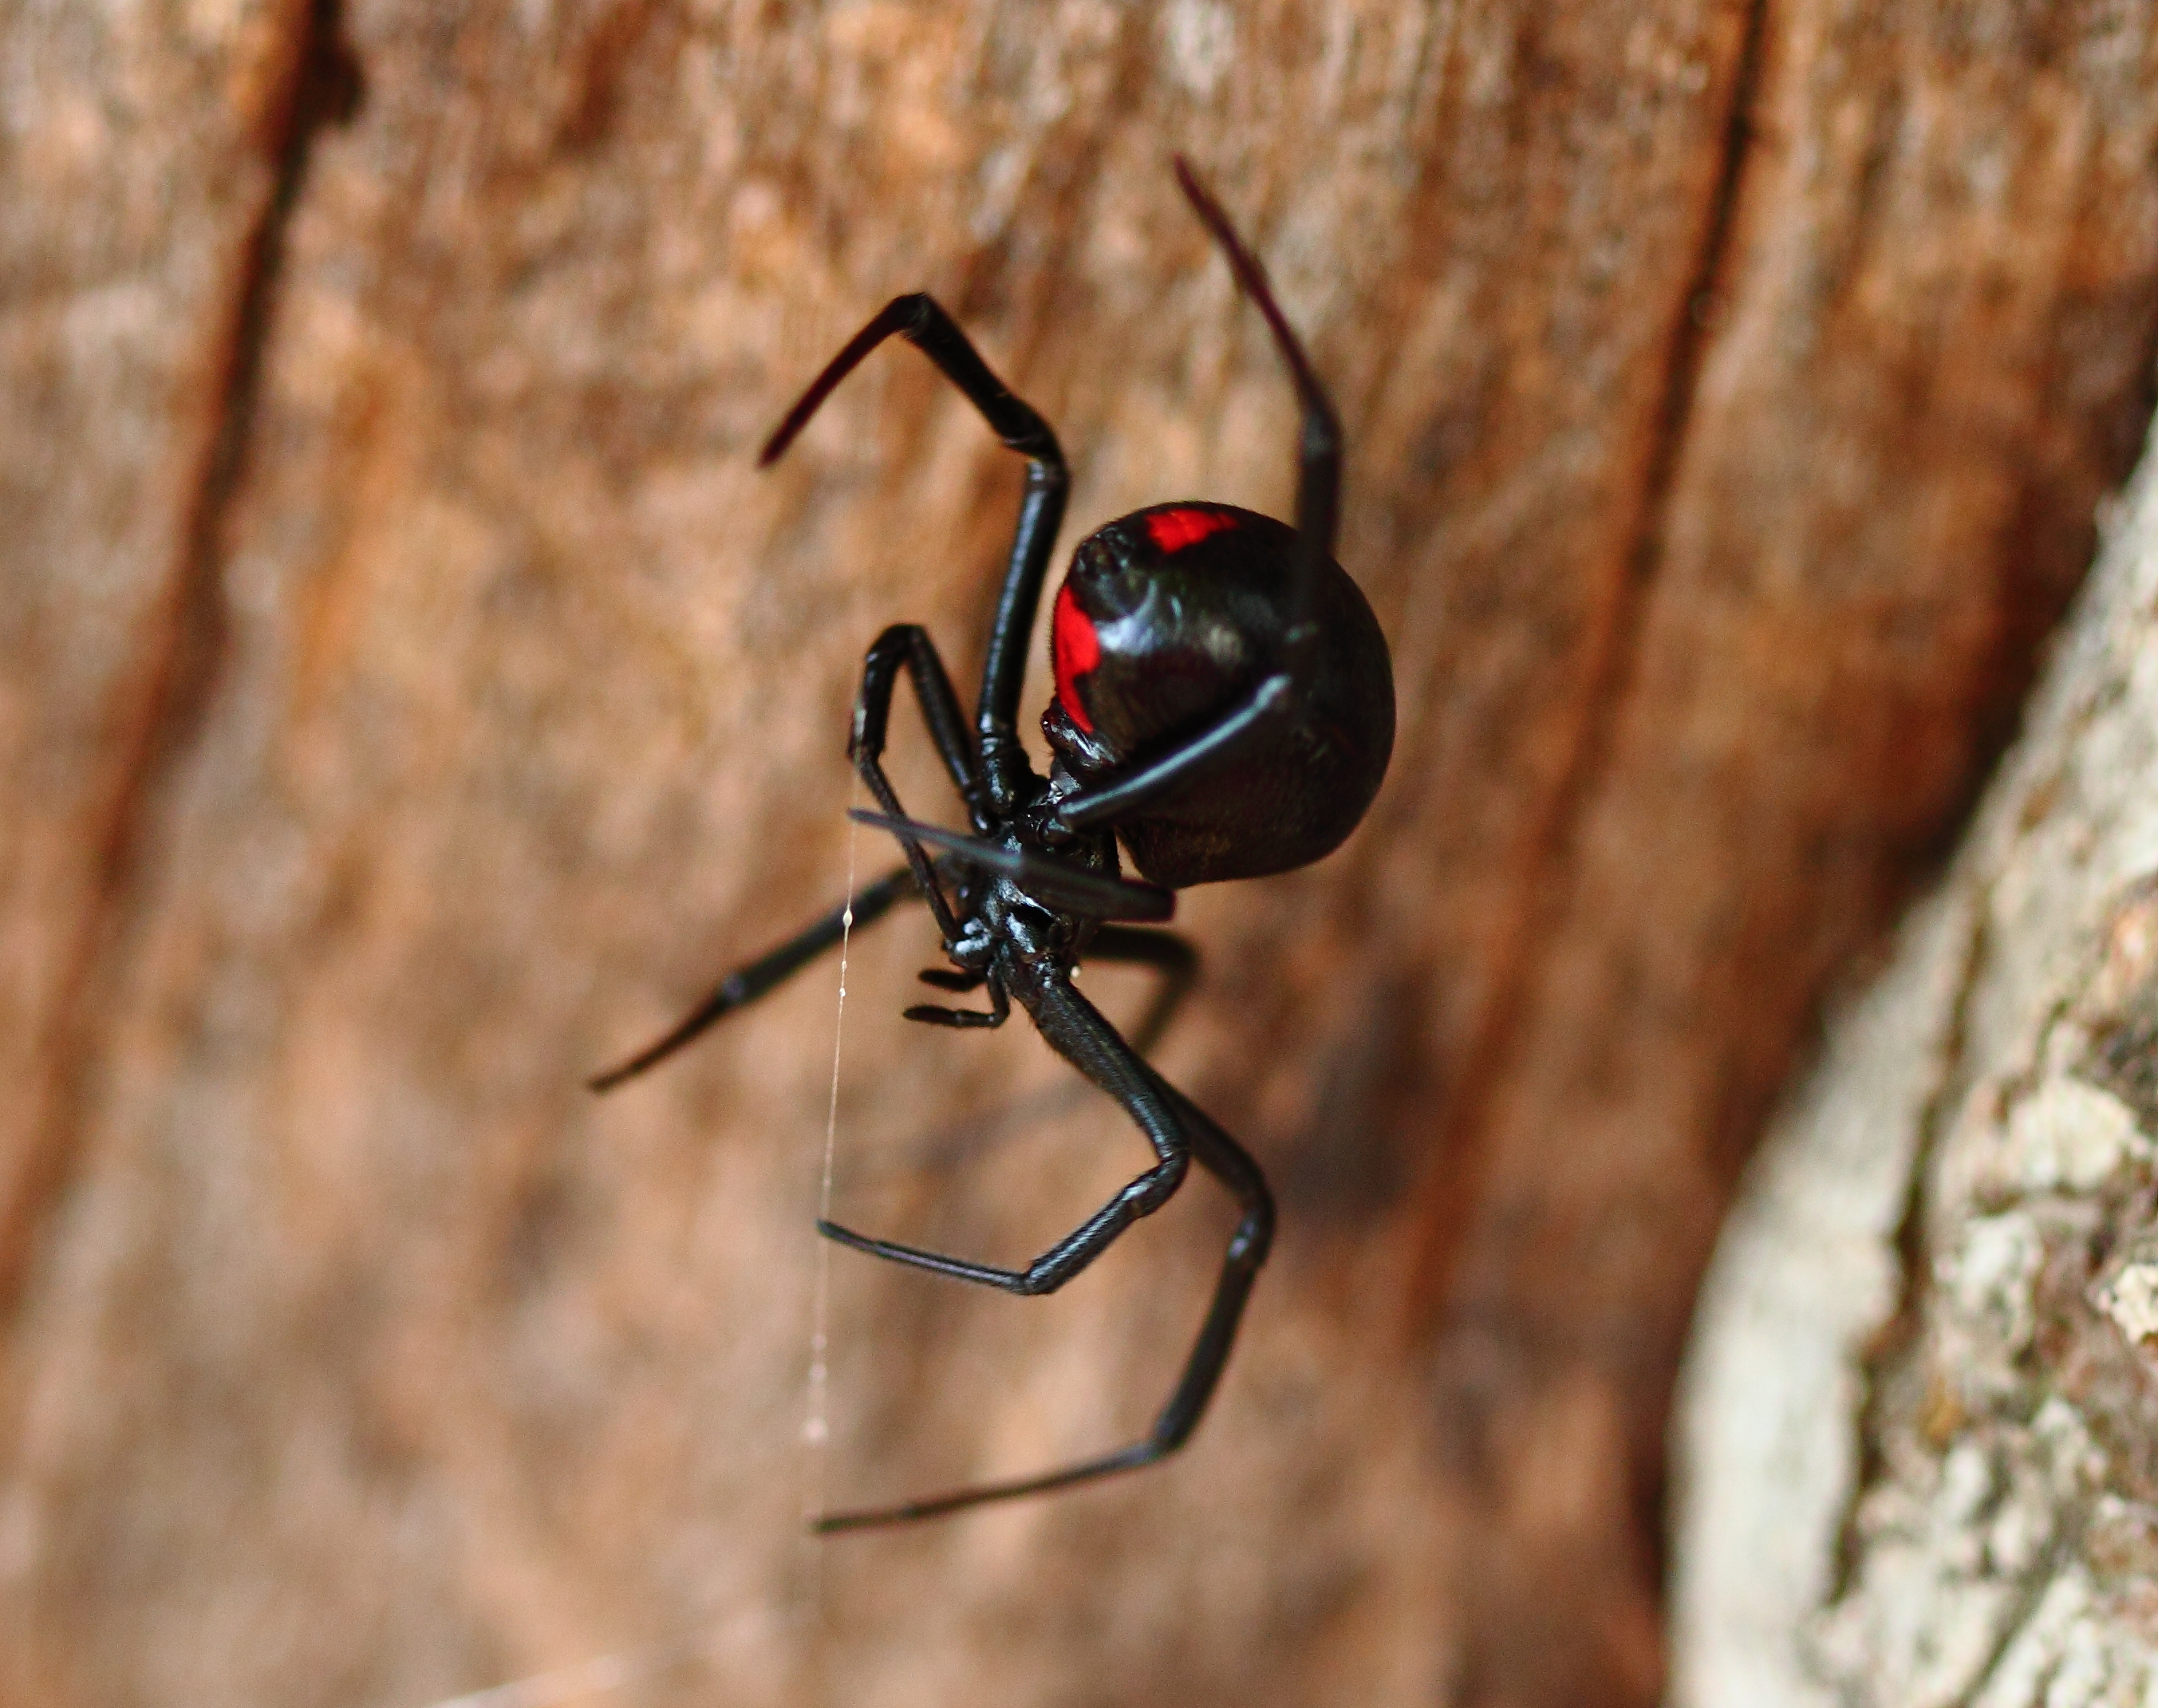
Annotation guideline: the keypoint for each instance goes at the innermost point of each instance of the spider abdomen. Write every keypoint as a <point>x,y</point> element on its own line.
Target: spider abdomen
<point>1169,617</point>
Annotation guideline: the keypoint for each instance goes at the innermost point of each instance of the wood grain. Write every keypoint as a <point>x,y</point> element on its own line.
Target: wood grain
<point>141,161</point>
<point>1729,390</point>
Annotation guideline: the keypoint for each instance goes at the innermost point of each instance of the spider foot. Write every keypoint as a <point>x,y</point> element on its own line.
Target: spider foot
<point>987,1275</point>
<point>1130,1458</point>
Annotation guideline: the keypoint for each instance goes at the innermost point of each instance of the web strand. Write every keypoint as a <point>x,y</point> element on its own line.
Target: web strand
<point>816,1424</point>
<point>610,1672</point>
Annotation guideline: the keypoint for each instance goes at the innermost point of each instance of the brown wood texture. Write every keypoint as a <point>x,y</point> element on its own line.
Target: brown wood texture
<point>414,697</point>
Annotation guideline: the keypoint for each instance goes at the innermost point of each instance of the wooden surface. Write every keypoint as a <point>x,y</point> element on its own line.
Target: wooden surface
<point>1915,1459</point>
<point>413,698</point>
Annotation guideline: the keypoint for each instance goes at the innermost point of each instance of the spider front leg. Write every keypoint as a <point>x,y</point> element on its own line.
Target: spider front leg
<point>1220,1156</point>
<point>908,644</point>
<point>921,320</point>
<point>746,984</point>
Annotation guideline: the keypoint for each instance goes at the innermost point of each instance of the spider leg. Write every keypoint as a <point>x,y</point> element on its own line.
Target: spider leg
<point>1319,442</point>
<point>921,320</point>
<point>746,984</point>
<point>909,644</point>
<point>1075,1029</point>
<point>905,645</point>
<point>1055,883</point>
<point>1228,1162</point>
<point>1318,498</point>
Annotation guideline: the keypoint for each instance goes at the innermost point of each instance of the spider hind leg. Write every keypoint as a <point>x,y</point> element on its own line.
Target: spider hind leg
<point>1077,1030</point>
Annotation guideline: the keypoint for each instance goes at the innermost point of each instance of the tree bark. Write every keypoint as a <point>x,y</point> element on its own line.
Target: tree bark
<point>414,697</point>
<point>1918,1428</point>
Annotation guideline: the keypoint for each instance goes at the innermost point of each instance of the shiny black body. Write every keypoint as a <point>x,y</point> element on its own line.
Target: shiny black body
<point>1184,630</point>
<point>1224,706</point>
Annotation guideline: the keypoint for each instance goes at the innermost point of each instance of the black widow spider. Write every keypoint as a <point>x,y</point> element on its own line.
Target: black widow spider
<point>1224,703</point>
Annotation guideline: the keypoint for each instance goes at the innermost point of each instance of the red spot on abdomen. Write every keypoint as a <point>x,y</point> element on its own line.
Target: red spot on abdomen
<point>1175,529</point>
<point>1074,649</point>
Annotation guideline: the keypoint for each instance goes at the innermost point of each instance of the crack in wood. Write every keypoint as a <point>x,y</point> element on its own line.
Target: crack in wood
<point>1552,844</point>
<point>318,86</point>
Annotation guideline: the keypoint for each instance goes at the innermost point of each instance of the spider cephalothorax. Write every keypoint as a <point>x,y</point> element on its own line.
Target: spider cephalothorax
<point>1223,705</point>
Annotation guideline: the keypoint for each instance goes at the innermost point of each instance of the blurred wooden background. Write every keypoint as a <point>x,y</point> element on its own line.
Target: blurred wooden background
<point>410,698</point>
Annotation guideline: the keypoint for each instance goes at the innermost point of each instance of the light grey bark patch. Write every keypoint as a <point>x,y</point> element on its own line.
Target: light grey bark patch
<point>1913,1444</point>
